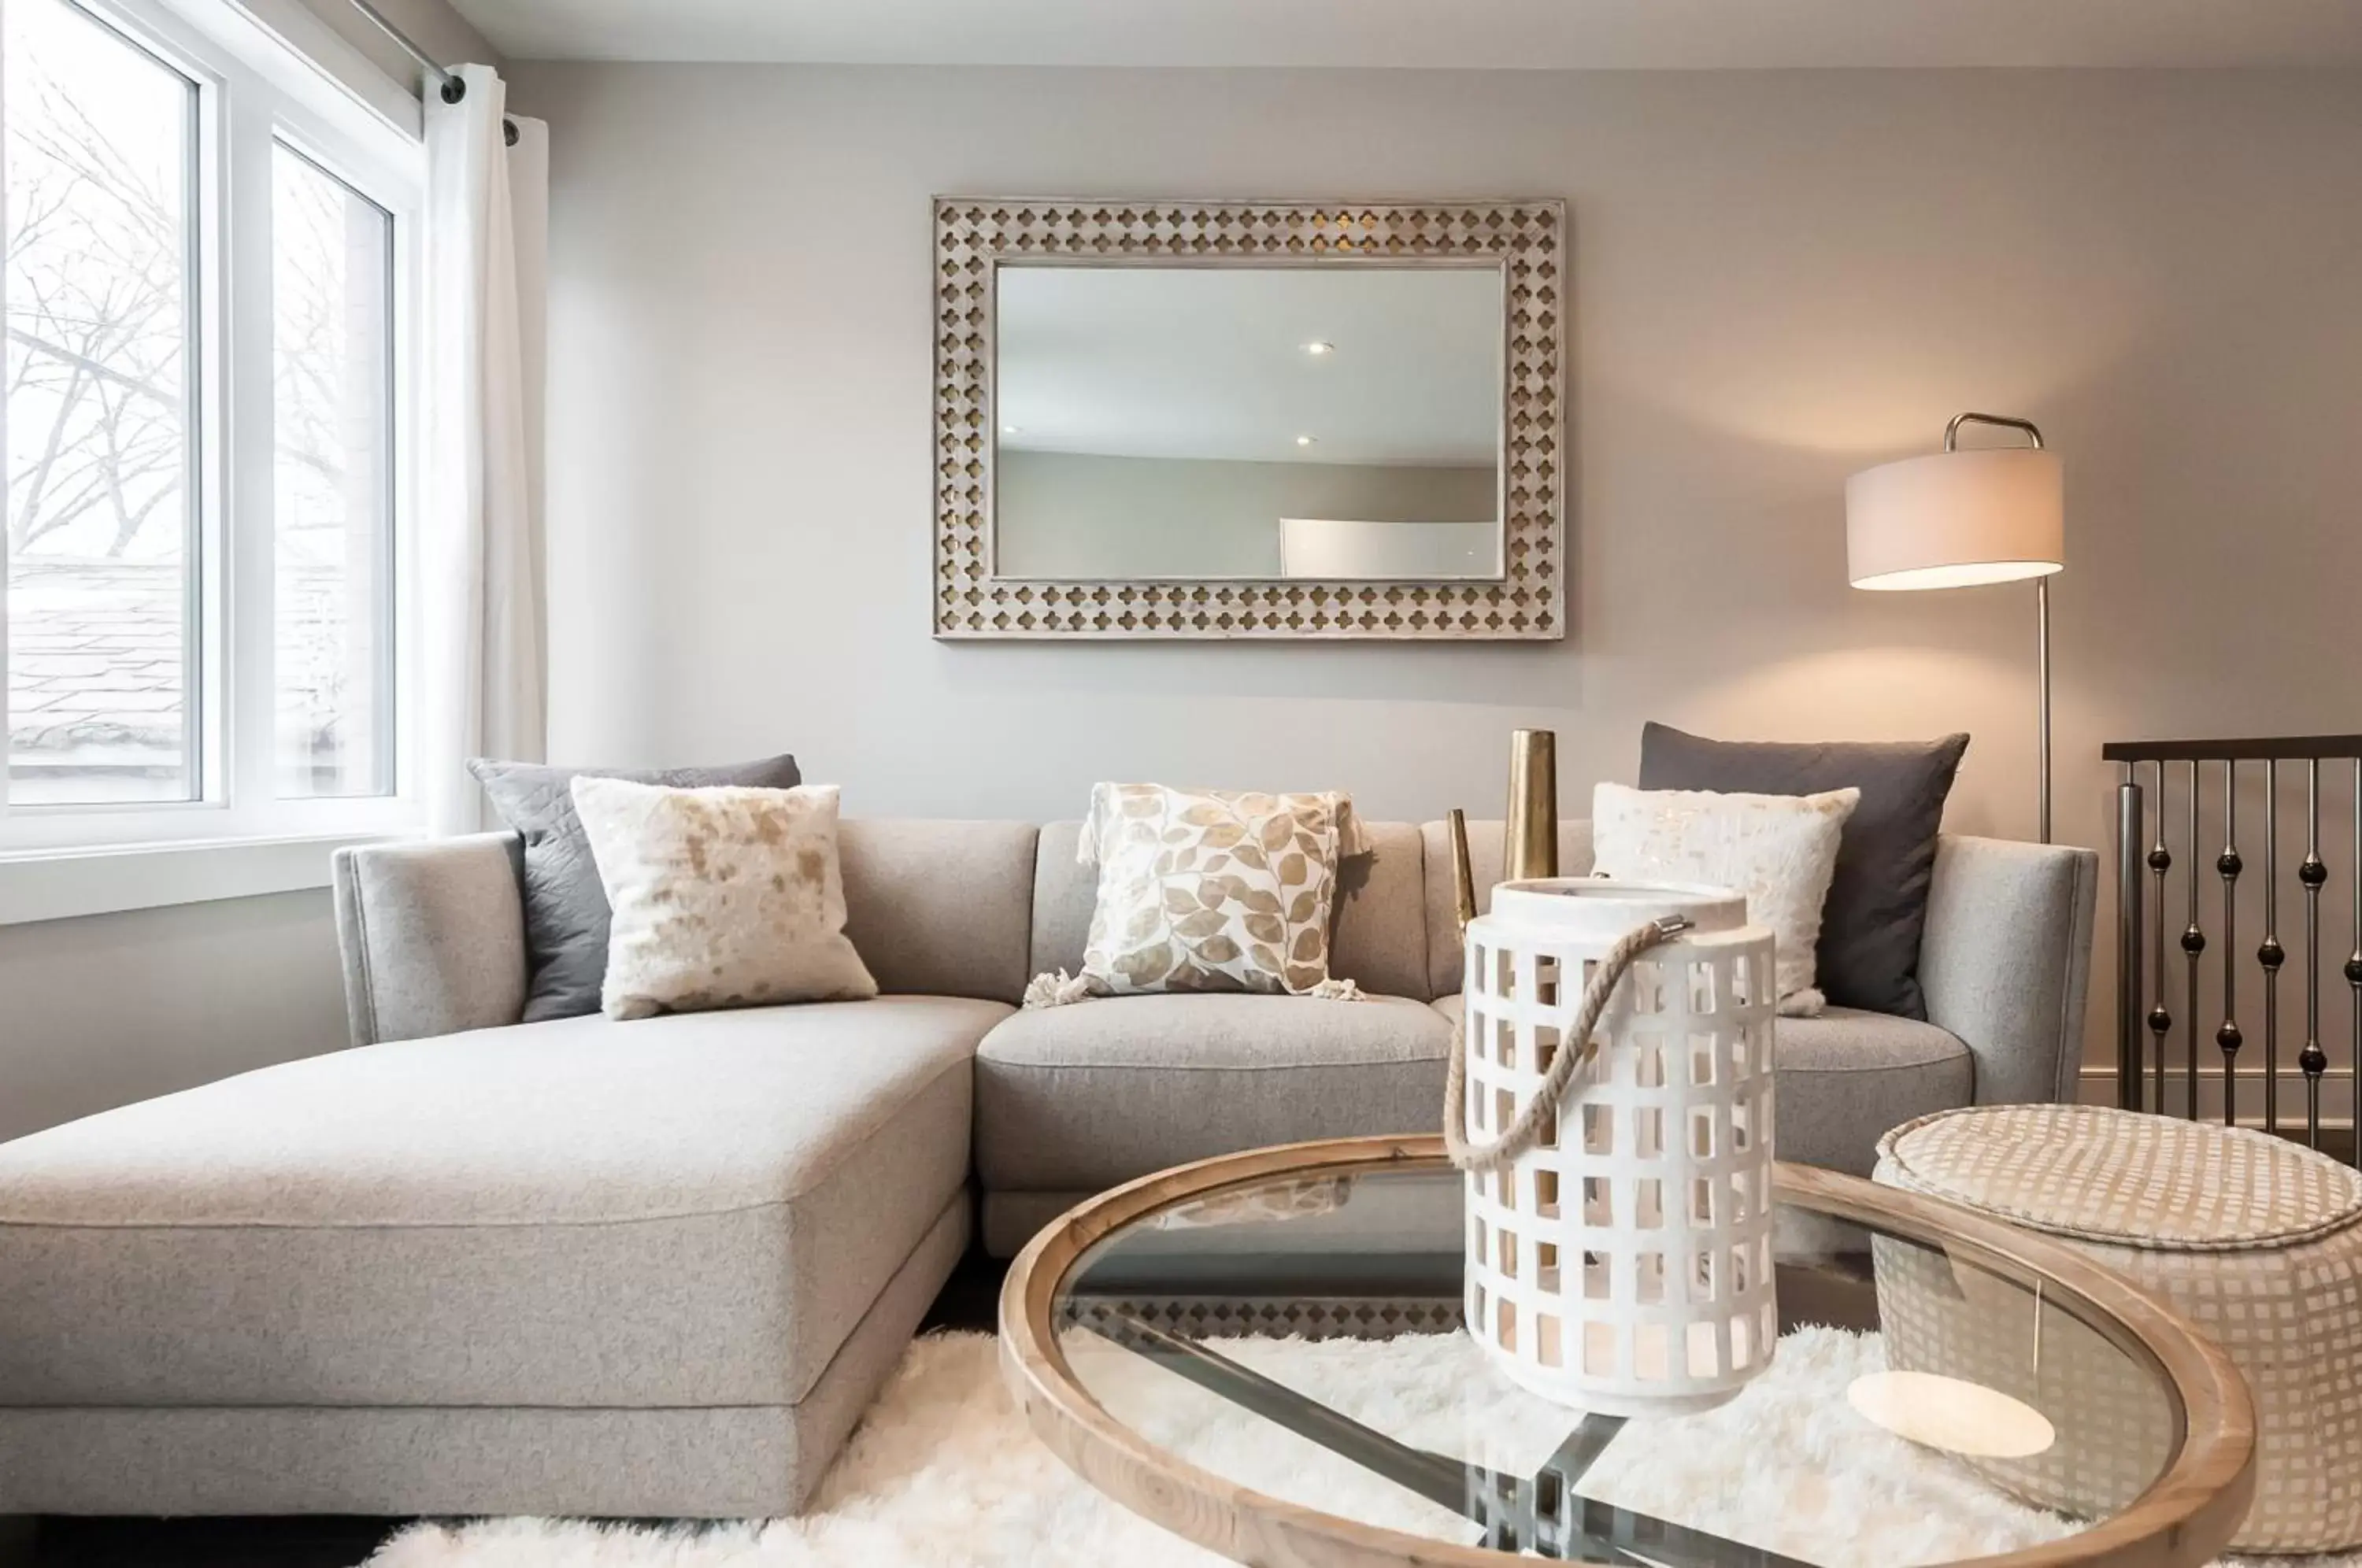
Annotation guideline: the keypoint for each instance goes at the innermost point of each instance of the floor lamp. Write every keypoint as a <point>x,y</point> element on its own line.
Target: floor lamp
<point>1962,518</point>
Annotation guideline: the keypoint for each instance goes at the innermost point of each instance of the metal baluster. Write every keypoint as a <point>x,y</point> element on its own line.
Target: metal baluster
<point>2160,861</point>
<point>2271,953</point>
<point>2228,864</point>
<point>2313,873</point>
<point>2129,942</point>
<point>2193,944</point>
<point>2354,965</point>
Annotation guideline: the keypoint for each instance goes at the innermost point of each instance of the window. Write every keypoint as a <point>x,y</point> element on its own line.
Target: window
<point>102,140</point>
<point>208,301</point>
<point>332,365</point>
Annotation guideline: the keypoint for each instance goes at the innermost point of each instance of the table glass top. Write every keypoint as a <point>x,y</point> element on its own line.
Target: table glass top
<point>1302,1337</point>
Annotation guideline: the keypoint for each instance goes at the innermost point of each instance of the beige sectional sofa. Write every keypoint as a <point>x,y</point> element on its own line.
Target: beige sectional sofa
<point>659,1268</point>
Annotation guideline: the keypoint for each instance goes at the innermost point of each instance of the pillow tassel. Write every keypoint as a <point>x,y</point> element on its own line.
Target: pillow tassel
<point>1061,989</point>
<point>1055,991</point>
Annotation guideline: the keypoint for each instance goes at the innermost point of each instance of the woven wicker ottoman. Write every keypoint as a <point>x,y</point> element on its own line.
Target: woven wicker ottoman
<point>2258,1242</point>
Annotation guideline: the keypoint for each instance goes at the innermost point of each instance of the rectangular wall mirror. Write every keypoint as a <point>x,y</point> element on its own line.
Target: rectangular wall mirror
<point>1206,420</point>
<point>1198,422</point>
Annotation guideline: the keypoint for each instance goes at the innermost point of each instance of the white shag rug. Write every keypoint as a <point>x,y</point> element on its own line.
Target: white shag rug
<point>942,1474</point>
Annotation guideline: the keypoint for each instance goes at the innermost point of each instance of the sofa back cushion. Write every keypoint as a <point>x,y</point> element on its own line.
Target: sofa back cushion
<point>1377,938</point>
<point>942,908</point>
<point>1484,857</point>
<point>1380,937</point>
<point>1063,893</point>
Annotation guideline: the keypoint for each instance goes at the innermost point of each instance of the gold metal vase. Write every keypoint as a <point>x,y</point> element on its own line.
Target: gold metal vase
<point>1530,836</point>
<point>1529,841</point>
<point>1463,876</point>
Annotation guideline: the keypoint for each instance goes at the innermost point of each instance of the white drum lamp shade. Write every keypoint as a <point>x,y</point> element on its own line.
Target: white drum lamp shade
<point>1957,519</point>
<point>1962,518</point>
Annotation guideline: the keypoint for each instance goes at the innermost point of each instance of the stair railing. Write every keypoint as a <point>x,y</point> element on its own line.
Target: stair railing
<point>2164,1000</point>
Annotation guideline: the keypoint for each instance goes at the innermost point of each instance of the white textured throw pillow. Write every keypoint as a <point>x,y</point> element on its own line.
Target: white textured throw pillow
<point>723,897</point>
<point>1778,850</point>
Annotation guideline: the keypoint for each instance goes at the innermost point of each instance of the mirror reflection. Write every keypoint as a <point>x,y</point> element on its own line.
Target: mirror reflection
<point>1248,421</point>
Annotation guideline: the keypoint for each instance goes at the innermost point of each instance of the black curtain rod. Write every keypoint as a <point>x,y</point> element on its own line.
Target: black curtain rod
<point>455,87</point>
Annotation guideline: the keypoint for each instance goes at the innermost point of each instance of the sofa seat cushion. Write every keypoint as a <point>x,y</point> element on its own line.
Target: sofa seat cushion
<point>691,1210</point>
<point>1087,1095</point>
<point>1843,1079</point>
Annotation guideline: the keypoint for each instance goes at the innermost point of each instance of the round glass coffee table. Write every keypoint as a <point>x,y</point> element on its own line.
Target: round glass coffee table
<point>1263,1353</point>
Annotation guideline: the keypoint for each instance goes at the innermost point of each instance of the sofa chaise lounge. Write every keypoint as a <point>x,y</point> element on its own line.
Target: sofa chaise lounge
<point>659,1268</point>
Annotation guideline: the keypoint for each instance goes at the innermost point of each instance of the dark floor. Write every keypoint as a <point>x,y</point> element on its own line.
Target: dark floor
<point>203,1543</point>
<point>970,1299</point>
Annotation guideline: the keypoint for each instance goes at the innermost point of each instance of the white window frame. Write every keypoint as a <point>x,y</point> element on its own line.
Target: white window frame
<point>253,92</point>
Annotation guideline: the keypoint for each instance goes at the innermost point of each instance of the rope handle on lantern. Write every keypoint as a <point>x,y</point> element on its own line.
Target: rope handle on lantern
<point>1574,1055</point>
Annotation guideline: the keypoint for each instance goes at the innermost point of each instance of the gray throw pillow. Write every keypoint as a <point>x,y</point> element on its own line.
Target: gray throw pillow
<point>1877,910</point>
<point>565,912</point>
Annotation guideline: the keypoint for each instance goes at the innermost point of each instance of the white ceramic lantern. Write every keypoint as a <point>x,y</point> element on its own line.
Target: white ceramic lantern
<point>1624,1262</point>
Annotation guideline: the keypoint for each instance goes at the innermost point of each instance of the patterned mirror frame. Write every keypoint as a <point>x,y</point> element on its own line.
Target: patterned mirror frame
<point>1527,240</point>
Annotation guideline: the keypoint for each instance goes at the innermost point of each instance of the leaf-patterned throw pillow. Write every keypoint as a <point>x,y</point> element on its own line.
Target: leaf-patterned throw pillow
<point>1205,891</point>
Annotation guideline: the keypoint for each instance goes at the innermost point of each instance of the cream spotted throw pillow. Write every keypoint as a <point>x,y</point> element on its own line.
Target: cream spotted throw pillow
<point>1205,891</point>
<point>722,897</point>
<point>1778,850</point>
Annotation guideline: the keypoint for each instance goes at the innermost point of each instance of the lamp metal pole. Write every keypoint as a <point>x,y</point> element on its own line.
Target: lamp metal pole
<point>2042,620</point>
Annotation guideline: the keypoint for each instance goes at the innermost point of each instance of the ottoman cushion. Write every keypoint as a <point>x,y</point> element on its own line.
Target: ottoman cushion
<point>2255,1239</point>
<point>691,1210</point>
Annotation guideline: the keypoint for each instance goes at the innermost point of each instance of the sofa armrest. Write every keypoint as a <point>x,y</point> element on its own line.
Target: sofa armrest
<point>2006,961</point>
<point>432,936</point>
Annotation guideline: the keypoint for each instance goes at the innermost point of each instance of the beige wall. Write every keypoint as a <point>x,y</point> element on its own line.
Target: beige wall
<point>1076,515</point>
<point>1777,279</point>
<point>110,1009</point>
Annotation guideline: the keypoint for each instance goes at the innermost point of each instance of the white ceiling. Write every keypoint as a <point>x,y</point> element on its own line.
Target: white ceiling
<point>1529,34</point>
<point>1209,363</point>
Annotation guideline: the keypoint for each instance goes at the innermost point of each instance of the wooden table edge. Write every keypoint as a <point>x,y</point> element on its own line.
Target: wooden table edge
<point>2184,1519</point>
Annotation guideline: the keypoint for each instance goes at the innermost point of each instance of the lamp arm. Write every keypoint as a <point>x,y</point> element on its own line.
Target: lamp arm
<point>1952,431</point>
<point>2042,617</point>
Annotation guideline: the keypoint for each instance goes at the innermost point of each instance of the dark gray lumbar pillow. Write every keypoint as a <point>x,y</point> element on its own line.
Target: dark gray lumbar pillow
<point>1877,909</point>
<point>565,912</point>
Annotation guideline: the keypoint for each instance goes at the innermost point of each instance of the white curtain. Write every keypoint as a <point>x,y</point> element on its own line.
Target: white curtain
<point>479,522</point>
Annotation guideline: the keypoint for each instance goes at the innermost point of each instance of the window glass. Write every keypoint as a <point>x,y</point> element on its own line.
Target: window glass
<point>332,318</point>
<point>100,141</point>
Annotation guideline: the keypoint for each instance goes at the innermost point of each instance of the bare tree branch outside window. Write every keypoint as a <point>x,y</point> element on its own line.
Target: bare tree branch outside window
<point>99,141</point>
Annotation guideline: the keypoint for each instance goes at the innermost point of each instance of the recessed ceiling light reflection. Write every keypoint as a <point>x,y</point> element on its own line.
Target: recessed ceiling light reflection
<point>1010,429</point>
<point>1304,440</point>
<point>1319,349</point>
<point>1966,1418</point>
